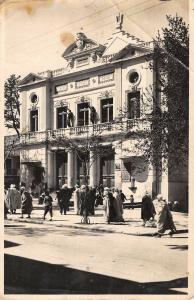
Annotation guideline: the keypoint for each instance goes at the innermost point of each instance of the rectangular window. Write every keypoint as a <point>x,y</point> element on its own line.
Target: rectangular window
<point>61,168</point>
<point>107,170</point>
<point>34,120</point>
<point>106,110</point>
<point>82,114</point>
<point>62,117</point>
<point>134,105</point>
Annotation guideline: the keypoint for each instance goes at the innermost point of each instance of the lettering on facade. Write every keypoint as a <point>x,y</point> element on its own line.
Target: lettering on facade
<point>106,77</point>
<point>82,83</point>
<point>61,88</point>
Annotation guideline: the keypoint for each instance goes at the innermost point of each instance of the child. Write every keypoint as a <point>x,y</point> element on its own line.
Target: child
<point>48,205</point>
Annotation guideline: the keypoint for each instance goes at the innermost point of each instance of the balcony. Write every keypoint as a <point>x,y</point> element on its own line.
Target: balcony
<point>101,129</point>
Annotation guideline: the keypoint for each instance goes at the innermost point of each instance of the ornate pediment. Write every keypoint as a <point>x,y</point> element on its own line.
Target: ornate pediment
<point>31,78</point>
<point>82,45</point>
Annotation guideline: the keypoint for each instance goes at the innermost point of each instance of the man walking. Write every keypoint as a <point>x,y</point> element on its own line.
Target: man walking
<point>48,205</point>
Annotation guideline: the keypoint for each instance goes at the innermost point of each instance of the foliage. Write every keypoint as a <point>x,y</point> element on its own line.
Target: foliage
<point>12,104</point>
<point>167,141</point>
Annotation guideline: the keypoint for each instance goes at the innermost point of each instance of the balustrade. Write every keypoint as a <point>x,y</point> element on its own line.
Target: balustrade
<point>133,125</point>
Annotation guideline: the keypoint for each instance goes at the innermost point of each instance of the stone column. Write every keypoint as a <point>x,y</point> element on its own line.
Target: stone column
<point>70,168</point>
<point>54,170</point>
<point>93,170</point>
<point>50,170</point>
<point>118,165</point>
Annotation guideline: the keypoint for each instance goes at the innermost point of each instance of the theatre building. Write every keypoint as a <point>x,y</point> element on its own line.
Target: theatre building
<point>99,92</point>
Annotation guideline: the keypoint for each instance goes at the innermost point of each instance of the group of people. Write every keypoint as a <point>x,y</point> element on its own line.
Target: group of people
<point>15,199</point>
<point>86,198</point>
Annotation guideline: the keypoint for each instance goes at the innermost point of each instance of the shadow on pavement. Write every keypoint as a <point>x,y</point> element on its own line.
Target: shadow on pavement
<point>8,244</point>
<point>42,231</point>
<point>27,276</point>
<point>178,247</point>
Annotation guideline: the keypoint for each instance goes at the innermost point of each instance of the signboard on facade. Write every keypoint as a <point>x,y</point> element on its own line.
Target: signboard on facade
<point>61,88</point>
<point>106,77</point>
<point>82,83</point>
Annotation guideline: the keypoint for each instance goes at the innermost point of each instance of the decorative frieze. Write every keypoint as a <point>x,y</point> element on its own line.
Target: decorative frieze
<point>106,94</point>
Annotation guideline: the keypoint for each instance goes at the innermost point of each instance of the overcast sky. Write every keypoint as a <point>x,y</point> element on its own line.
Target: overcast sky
<point>35,33</point>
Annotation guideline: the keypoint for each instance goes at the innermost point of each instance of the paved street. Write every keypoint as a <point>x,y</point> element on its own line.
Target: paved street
<point>66,257</point>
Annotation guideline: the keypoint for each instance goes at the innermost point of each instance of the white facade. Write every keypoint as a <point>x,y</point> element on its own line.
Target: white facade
<point>116,73</point>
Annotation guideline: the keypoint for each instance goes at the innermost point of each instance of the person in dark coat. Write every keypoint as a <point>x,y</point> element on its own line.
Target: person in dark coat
<point>48,205</point>
<point>65,197</point>
<point>92,199</point>
<point>70,118</point>
<point>147,208</point>
<point>26,202</point>
<point>60,201</point>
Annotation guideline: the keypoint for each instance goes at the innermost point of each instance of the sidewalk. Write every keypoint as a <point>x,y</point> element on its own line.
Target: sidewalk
<point>131,226</point>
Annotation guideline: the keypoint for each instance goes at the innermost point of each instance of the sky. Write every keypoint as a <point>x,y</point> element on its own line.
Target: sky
<point>35,33</point>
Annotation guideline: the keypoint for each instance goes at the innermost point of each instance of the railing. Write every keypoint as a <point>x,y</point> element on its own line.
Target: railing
<point>101,129</point>
<point>59,72</point>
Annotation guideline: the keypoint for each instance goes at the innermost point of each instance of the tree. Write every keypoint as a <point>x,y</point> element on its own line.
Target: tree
<point>165,145</point>
<point>12,104</point>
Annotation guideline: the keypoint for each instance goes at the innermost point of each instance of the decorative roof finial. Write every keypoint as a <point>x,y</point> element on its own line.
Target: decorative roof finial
<point>119,20</point>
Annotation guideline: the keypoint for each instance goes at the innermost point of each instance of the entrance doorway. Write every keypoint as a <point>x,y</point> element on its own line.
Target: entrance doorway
<point>107,170</point>
<point>61,169</point>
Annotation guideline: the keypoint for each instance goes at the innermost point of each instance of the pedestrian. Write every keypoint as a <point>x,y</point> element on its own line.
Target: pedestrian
<point>118,205</point>
<point>60,201</point>
<point>84,200</point>
<point>131,199</point>
<point>92,199</point>
<point>164,216</point>
<point>13,199</point>
<point>123,197</point>
<point>99,197</point>
<point>147,208</point>
<point>76,200</point>
<point>106,205</point>
<point>48,205</point>
<point>26,207</point>
<point>65,197</point>
<point>6,210</point>
<point>41,198</point>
